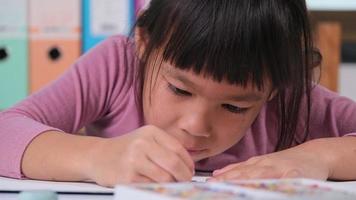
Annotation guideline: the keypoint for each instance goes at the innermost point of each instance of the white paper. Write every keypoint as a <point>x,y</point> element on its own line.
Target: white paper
<point>200,179</point>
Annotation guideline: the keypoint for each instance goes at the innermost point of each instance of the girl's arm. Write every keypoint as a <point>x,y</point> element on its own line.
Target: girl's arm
<point>325,158</point>
<point>84,94</point>
<point>338,153</point>
<point>148,154</point>
<point>56,156</point>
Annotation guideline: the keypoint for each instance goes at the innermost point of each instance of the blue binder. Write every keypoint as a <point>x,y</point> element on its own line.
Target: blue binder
<point>103,18</point>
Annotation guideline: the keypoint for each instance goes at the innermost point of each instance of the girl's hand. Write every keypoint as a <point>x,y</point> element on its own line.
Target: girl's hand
<point>299,162</point>
<point>148,154</point>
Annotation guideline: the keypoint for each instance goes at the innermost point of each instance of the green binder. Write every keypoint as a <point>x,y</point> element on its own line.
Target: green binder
<point>13,52</point>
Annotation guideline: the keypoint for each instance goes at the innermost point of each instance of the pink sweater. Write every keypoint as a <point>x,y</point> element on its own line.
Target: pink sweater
<point>97,92</point>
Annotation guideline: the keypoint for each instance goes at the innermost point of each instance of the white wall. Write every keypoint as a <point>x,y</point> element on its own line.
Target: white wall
<point>347,80</point>
<point>336,5</point>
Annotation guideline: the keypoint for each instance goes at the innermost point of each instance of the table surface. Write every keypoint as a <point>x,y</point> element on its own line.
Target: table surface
<point>74,191</point>
<point>9,189</point>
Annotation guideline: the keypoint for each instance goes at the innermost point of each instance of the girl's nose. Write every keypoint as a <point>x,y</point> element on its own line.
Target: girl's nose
<point>196,123</point>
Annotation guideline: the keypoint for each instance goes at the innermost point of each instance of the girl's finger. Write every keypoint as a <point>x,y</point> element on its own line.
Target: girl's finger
<point>234,166</point>
<point>251,172</point>
<point>171,162</point>
<point>225,169</point>
<point>230,175</point>
<point>143,179</point>
<point>154,172</point>
<point>173,145</point>
<point>292,174</point>
<point>231,172</point>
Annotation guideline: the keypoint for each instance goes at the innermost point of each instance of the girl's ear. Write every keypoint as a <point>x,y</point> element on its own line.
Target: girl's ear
<point>140,41</point>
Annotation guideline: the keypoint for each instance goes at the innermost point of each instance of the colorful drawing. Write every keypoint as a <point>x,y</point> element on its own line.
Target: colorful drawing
<point>195,192</point>
<point>288,189</point>
<point>296,188</point>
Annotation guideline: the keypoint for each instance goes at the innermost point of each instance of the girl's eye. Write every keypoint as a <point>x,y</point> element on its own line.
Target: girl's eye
<point>234,109</point>
<point>178,91</point>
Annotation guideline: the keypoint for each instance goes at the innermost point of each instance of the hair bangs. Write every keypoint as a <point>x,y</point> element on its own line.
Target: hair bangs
<point>213,39</point>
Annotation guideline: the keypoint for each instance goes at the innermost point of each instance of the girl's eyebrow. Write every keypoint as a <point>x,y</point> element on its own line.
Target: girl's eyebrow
<point>246,97</point>
<point>180,77</point>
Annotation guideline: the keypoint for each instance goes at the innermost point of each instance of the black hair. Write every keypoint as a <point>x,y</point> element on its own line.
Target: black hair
<point>240,41</point>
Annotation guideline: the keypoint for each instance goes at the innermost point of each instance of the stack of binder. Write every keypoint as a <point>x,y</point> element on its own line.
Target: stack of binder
<point>40,39</point>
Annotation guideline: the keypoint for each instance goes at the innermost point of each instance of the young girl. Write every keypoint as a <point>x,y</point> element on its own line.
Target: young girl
<point>216,85</point>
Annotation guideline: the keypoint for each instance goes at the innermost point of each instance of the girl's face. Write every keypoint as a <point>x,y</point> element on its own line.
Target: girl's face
<point>207,117</point>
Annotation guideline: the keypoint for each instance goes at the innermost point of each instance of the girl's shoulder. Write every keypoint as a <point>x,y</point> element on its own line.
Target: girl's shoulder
<point>115,56</point>
<point>320,95</point>
<point>331,114</point>
<point>120,42</point>
<point>116,45</point>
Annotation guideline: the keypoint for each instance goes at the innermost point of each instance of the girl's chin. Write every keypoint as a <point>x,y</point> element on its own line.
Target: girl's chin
<point>198,156</point>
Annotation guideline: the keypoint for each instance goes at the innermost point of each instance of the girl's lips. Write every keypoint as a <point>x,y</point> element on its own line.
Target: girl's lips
<point>196,151</point>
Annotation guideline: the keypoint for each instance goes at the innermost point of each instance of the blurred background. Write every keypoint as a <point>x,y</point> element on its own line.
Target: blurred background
<point>334,25</point>
<point>40,39</point>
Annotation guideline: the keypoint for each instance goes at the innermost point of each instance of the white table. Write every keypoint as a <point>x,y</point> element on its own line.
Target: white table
<point>73,191</point>
<point>62,197</point>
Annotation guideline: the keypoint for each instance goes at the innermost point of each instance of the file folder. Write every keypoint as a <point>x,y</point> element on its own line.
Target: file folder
<point>54,39</point>
<point>103,18</point>
<point>13,52</point>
